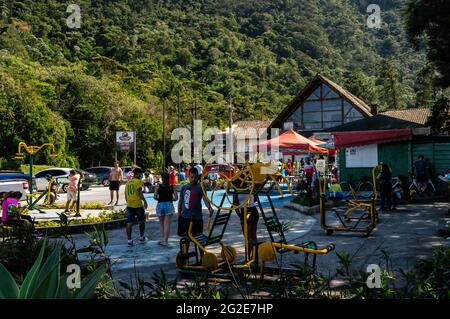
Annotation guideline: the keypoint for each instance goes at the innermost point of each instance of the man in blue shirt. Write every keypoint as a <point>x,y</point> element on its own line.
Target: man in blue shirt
<point>190,205</point>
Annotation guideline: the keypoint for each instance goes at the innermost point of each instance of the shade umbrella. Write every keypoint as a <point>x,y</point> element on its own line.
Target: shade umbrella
<point>291,143</point>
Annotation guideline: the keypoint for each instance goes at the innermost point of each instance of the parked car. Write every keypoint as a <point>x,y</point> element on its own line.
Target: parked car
<point>14,181</point>
<point>62,175</point>
<point>102,173</point>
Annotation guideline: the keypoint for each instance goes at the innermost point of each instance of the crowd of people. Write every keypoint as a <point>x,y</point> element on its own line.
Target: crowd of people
<point>191,196</point>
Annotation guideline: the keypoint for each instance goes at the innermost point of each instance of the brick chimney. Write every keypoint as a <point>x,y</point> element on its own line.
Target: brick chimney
<point>374,109</point>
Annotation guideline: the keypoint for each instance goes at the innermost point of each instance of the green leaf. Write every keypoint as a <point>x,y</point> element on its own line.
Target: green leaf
<point>48,278</point>
<point>8,287</point>
<point>105,237</point>
<point>32,274</point>
<point>89,284</point>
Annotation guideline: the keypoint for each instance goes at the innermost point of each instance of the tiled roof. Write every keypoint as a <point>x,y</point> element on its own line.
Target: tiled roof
<point>419,116</point>
<point>256,124</point>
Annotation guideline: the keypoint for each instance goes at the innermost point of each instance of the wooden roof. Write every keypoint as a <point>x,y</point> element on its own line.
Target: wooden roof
<point>307,91</point>
<point>419,115</point>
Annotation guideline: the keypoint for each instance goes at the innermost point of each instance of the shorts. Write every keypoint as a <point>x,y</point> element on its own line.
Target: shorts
<point>114,185</point>
<point>139,213</point>
<point>254,215</point>
<point>71,195</point>
<point>183,226</point>
<point>164,209</point>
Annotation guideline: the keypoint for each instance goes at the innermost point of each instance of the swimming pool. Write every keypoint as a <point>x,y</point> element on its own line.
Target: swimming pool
<point>277,200</point>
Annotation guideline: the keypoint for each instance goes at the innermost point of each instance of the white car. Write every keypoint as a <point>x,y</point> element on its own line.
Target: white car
<point>15,186</point>
<point>62,177</point>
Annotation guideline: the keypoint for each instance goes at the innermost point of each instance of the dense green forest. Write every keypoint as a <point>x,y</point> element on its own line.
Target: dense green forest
<point>76,86</point>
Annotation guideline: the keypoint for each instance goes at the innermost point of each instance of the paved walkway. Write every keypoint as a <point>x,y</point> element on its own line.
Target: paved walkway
<point>406,235</point>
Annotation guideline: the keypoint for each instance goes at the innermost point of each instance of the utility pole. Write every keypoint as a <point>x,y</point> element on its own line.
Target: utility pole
<point>164,135</point>
<point>230,125</point>
<point>193,110</point>
<point>178,121</point>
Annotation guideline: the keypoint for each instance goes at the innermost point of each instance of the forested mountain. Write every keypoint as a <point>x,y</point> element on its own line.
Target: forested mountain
<point>77,86</point>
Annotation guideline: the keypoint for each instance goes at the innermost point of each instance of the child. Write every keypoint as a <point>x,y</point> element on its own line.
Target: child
<point>53,190</point>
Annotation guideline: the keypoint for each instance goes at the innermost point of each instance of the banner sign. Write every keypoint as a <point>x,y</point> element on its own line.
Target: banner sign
<point>125,141</point>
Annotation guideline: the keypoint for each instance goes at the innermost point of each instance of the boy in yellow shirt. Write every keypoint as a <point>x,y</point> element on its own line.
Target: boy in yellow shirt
<point>136,204</point>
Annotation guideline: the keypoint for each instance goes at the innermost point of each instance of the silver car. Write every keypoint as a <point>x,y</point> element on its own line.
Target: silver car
<point>62,177</point>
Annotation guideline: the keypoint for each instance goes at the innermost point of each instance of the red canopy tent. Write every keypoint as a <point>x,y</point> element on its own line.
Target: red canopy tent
<point>291,143</point>
<point>359,138</point>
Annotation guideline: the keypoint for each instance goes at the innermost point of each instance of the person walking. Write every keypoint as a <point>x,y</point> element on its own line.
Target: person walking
<point>190,205</point>
<point>136,204</point>
<point>385,180</point>
<point>72,191</point>
<point>420,173</point>
<point>115,179</point>
<point>165,194</point>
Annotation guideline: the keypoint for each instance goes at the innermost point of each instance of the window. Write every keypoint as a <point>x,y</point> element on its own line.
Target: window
<point>332,105</point>
<point>312,117</point>
<point>332,116</point>
<point>331,124</point>
<point>353,115</point>
<point>312,125</point>
<point>328,93</point>
<point>42,174</point>
<point>316,93</point>
<point>312,106</point>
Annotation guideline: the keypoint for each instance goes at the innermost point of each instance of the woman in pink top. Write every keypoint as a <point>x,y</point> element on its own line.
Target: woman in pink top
<point>72,191</point>
<point>12,199</point>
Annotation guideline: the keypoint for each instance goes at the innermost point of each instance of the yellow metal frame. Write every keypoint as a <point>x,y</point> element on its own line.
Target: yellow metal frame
<point>353,205</point>
<point>33,150</point>
<point>252,174</point>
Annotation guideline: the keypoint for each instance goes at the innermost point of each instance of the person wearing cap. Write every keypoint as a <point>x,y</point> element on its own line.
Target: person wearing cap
<point>136,204</point>
<point>199,168</point>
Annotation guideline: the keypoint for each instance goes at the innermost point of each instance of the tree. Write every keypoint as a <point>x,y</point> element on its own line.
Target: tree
<point>391,90</point>
<point>429,22</point>
<point>362,86</point>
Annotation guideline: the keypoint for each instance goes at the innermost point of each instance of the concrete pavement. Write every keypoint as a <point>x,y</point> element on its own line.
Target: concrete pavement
<point>406,235</point>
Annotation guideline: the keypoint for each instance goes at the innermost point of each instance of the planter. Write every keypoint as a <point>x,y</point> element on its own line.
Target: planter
<point>82,228</point>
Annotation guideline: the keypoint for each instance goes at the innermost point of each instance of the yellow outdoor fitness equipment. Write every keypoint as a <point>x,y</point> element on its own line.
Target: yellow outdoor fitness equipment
<point>246,180</point>
<point>358,216</point>
<point>32,151</point>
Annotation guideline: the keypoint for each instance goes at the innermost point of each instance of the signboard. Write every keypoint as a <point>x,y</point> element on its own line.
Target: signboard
<point>321,166</point>
<point>125,141</point>
<point>361,156</point>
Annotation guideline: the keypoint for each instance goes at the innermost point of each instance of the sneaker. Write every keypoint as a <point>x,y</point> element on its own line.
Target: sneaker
<point>116,204</point>
<point>110,203</point>
<point>142,238</point>
<point>130,243</point>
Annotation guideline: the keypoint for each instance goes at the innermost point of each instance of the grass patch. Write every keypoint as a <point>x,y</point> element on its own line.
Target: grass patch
<point>86,205</point>
<point>36,168</point>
